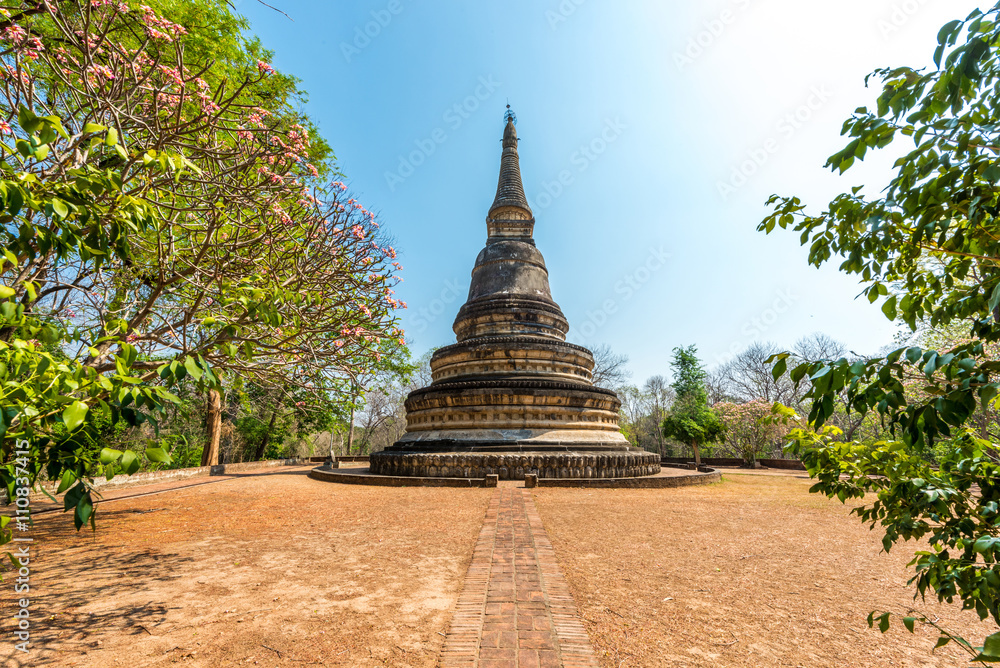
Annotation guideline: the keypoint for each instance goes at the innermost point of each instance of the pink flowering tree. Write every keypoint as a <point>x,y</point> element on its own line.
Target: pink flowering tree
<point>750,429</point>
<point>164,217</point>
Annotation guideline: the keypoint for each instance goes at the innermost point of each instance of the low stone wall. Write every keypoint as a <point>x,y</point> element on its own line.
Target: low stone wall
<point>345,458</point>
<point>363,477</point>
<point>151,477</point>
<point>791,464</point>
<point>704,476</point>
<point>514,466</point>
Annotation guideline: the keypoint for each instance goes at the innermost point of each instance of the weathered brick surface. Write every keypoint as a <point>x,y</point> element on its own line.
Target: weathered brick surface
<point>515,609</point>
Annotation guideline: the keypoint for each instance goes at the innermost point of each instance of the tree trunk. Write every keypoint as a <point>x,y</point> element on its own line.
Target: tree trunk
<point>262,448</point>
<point>213,427</point>
<point>697,455</point>
<point>350,426</point>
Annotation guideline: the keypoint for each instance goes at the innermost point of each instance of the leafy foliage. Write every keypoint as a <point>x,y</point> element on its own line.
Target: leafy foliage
<point>162,222</point>
<point>929,247</point>
<point>690,420</point>
<point>749,429</point>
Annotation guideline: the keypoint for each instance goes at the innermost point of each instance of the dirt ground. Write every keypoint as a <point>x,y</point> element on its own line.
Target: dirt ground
<point>276,569</point>
<point>750,572</point>
<point>271,569</point>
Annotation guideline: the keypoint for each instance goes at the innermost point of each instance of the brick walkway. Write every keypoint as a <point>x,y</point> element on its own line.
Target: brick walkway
<point>515,609</point>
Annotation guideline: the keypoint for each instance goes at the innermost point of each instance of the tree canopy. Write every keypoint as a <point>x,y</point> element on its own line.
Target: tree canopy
<point>166,216</point>
<point>690,420</point>
<point>928,246</point>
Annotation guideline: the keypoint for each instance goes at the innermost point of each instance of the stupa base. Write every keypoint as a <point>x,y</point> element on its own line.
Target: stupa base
<point>556,461</point>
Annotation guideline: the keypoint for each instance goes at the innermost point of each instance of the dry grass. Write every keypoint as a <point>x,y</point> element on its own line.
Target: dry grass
<point>272,569</point>
<point>751,572</point>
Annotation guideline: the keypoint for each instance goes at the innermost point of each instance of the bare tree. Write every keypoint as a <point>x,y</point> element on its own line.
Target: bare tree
<point>610,369</point>
<point>659,397</point>
<point>632,415</point>
<point>748,376</point>
<point>819,346</point>
<point>717,388</point>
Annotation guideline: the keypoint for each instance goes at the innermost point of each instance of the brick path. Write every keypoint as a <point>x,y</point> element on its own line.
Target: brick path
<point>515,609</point>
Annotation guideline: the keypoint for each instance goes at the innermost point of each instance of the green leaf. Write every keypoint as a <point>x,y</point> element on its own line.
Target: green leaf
<point>191,364</point>
<point>6,292</point>
<point>109,455</point>
<point>157,455</point>
<point>991,648</point>
<point>84,508</point>
<point>779,369</point>
<point>130,463</point>
<point>74,413</point>
<point>60,208</point>
<point>883,624</point>
<point>27,119</point>
<point>995,297</point>
<point>93,127</point>
<point>908,623</point>
<point>73,496</point>
<point>68,478</point>
<point>946,30</point>
<point>889,307</point>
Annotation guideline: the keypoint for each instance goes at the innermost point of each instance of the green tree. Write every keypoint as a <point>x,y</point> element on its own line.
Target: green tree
<point>929,246</point>
<point>161,220</point>
<point>690,420</point>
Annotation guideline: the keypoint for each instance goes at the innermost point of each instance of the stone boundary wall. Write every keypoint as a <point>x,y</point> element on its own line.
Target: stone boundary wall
<point>790,464</point>
<point>339,458</point>
<point>150,477</point>
<point>704,476</point>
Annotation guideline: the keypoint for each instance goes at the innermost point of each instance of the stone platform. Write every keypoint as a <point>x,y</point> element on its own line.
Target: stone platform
<point>668,477</point>
<point>510,464</point>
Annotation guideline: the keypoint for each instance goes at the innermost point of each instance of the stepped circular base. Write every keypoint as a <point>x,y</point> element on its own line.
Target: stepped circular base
<point>511,464</point>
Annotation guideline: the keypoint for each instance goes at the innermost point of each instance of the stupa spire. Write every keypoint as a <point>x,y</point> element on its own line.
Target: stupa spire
<point>511,396</point>
<point>510,207</point>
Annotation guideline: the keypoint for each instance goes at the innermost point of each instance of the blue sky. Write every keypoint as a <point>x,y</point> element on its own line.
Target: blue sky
<point>651,135</point>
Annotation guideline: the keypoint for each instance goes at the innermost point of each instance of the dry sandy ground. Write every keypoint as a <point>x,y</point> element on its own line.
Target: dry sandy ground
<point>272,569</point>
<point>277,569</point>
<point>751,572</point>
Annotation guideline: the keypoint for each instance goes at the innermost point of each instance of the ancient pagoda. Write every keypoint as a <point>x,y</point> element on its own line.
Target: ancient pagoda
<point>512,397</point>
